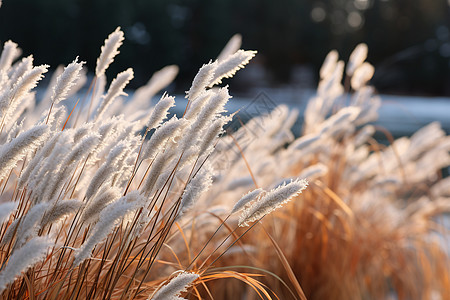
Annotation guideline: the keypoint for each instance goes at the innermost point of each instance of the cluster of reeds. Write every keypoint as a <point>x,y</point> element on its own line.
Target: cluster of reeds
<point>95,197</point>
<point>107,197</point>
<point>371,224</point>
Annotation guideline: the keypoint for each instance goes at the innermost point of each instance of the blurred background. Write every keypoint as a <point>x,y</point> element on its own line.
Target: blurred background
<point>409,40</point>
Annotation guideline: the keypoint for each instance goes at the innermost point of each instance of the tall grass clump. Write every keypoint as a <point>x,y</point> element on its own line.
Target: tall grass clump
<point>105,196</point>
<point>97,194</point>
<point>371,224</point>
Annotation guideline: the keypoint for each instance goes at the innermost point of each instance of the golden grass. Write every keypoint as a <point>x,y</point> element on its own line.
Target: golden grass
<point>367,228</point>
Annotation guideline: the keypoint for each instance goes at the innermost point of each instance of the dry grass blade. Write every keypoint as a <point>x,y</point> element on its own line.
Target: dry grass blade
<point>287,267</point>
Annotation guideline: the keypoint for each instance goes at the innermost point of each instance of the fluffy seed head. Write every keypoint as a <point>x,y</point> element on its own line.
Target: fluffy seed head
<point>272,200</point>
<point>115,90</point>
<point>362,75</point>
<point>198,185</point>
<point>246,199</point>
<point>160,111</point>
<point>9,53</point>
<point>230,65</point>
<point>202,80</point>
<point>25,143</point>
<point>109,218</point>
<point>66,81</point>
<point>108,51</point>
<point>357,57</point>
<point>177,285</point>
<point>24,258</point>
<point>231,47</point>
<point>6,209</point>
<point>329,64</point>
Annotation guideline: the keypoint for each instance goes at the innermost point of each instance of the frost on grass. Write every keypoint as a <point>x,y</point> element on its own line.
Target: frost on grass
<point>175,287</point>
<point>22,259</point>
<point>272,200</point>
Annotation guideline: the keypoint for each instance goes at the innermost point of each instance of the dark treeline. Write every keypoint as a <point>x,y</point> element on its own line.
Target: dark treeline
<point>408,40</point>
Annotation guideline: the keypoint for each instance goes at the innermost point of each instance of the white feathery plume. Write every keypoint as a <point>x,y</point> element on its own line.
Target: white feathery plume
<point>40,178</point>
<point>210,111</point>
<point>143,95</point>
<point>364,134</point>
<point>369,111</point>
<point>381,181</point>
<point>291,119</point>
<point>344,115</point>
<point>80,151</point>
<point>108,168</point>
<point>27,228</point>
<point>66,81</point>
<point>188,158</point>
<point>100,87</point>
<point>14,131</point>
<point>331,87</point>
<point>82,148</point>
<point>115,90</point>
<point>22,259</point>
<point>424,139</point>
<point>109,217</point>
<point>231,47</point>
<point>212,132</point>
<point>202,80</point>
<point>145,216</point>
<point>102,198</point>
<point>23,85</point>
<point>272,200</point>
<point>199,184</point>
<point>176,285</point>
<point>312,114</point>
<point>160,111</point>
<point>25,143</point>
<point>17,110</point>
<point>77,84</point>
<point>51,84</point>
<point>196,106</point>
<point>9,53</point>
<point>304,141</point>
<point>57,118</point>
<point>314,171</point>
<point>40,155</point>
<point>108,51</point>
<point>6,209</point>
<point>246,199</point>
<point>81,132</point>
<point>25,65</point>
<point>230,65</point>
<point>362,75</point>
<point>357,57</point>
<point>168,130</point>
<point>240,182</point>
<point>158,165</point>
<point>60,210</point>
<point>4,82</point>
<point>27,81</point>
<point>362,96</point>
<point>160,80</point>
<point>441,188</point>
<point>126,168</point>
<point>329,64</point>
<point>10,232</point>
<point>109,126</point>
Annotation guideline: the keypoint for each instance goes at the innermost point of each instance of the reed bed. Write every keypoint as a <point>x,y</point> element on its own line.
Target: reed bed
<point>109,198</point>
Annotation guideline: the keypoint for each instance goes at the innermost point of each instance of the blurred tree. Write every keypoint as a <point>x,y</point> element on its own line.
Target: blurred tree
<point>408,39</point>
